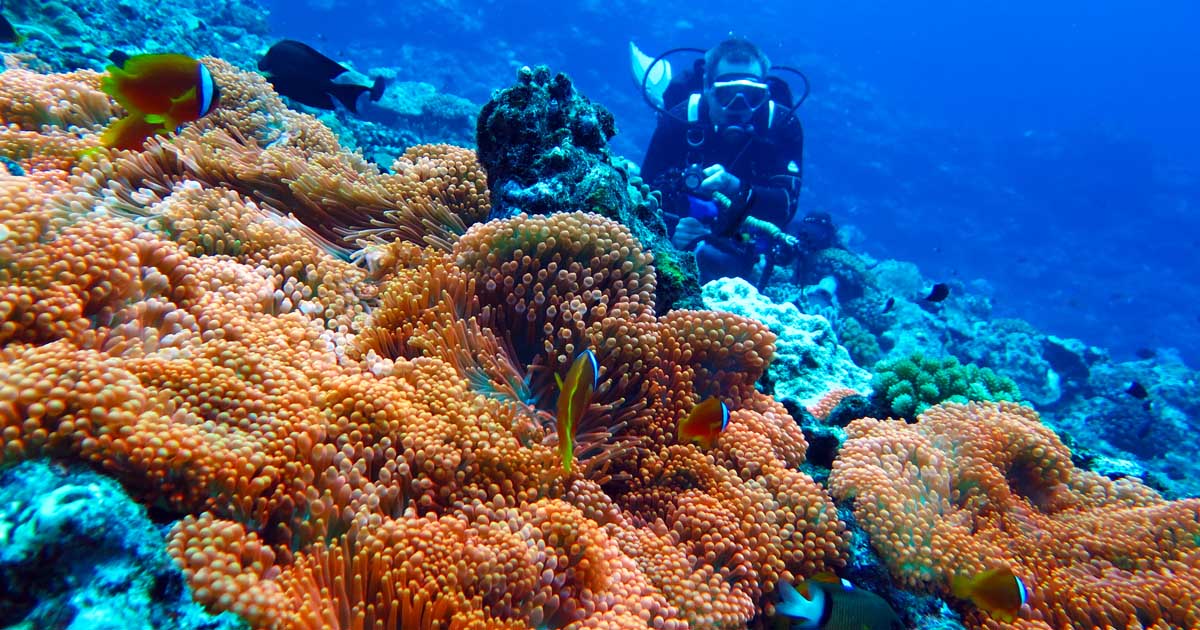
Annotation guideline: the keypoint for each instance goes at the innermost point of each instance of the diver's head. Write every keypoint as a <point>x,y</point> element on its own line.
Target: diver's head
<point>735,84</point>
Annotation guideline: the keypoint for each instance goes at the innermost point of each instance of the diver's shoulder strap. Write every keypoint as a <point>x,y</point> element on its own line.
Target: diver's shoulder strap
<point>693,109</point>
<point>695,128</point>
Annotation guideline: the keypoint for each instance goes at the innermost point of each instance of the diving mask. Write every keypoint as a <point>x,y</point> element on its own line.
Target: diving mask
<point>740,94</point>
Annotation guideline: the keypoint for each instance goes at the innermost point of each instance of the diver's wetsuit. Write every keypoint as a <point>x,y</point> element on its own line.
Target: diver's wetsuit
<point>767,162</point>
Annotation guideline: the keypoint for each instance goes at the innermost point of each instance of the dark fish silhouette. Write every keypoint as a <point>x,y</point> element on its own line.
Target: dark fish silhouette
<point>938,292</point>
<point>1146,353</point>
<point>887,306</point>
<point>301,73</point>
<point>1137,390</point>
<point>8,34</point>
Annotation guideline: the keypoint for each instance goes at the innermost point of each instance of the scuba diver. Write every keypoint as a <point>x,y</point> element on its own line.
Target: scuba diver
<point>727,156</point>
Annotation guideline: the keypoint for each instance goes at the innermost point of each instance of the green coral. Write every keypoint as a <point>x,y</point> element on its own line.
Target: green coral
<point>862,345</point>
<point>677,286</point>
<point>907,386</point>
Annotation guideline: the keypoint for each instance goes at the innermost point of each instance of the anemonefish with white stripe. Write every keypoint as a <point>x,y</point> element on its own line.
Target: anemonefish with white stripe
<point>826,602</point>
<point>160,92</point>
<point>705,422</point>
<point>574,396</point>
<point>998,592</point>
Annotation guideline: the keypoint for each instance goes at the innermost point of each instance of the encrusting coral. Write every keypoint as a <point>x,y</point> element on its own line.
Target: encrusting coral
<point>974,487</point>
<point>352,448</point>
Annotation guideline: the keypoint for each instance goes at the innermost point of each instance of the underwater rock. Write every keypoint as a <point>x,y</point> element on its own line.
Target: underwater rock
<point>76,552</point>
<point>1071,358</point>
<point>1154,432</point>
<point>901,279</point>
<point>1014,349</point>
<point>410,113</point>
<point>863,346</point>
<point>849,269</point>
<point>1149,427</point>
<point>544,146</point>
<point>808,360</point>
<point>913,331</point>
<point>852,408</point>
<point>1116,468</point>
<point>81,33</point>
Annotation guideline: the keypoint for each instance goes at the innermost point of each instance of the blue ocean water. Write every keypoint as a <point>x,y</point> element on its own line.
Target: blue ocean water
<point>1048,150</point>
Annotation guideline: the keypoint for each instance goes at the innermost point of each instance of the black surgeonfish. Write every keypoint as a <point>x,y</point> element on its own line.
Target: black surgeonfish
<point>1137,390</point>
<point>301,73</point>
<point>938,292</point>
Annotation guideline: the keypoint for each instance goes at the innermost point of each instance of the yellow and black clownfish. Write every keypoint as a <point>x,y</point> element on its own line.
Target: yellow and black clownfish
<point>574,396</point>
<point>998,592</point>
<point>826,602</point>
<point>705,422</point>
<point>160,92</point>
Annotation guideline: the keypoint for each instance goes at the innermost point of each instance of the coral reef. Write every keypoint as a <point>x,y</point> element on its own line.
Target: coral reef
<point>908,386</point>
<point>80,34</point>
<point>544,147</point>
<point>1079,389</point>
<point>338,383</point>
<point>972,487</point>
<point>410,113</point>
<point>1012,346</point>
<point>859,342</point>
<point>346,447</point>
<point>1147,437</point>
<point>76,552</point>
<point>808,360</point>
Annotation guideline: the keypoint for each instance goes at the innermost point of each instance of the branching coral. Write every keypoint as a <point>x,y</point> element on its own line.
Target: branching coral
<point>347,449</point>
<point>971,487</point>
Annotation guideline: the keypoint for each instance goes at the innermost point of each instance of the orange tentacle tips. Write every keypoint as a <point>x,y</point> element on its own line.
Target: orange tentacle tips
<point>341,381</point>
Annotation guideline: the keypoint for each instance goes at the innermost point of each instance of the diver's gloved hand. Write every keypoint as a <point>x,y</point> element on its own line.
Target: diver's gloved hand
<point>704,210</point>
<point>687,232</point>
<point>717,179</point>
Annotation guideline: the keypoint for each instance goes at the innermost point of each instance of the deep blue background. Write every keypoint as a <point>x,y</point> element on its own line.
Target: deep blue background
<point>1047,148</point>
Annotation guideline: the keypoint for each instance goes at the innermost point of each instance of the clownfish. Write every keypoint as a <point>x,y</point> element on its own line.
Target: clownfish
<point>704,423</point>
<point>825,602</point>
<point>160,92</point>
<point>998,592</point>
<point>574,395</point>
